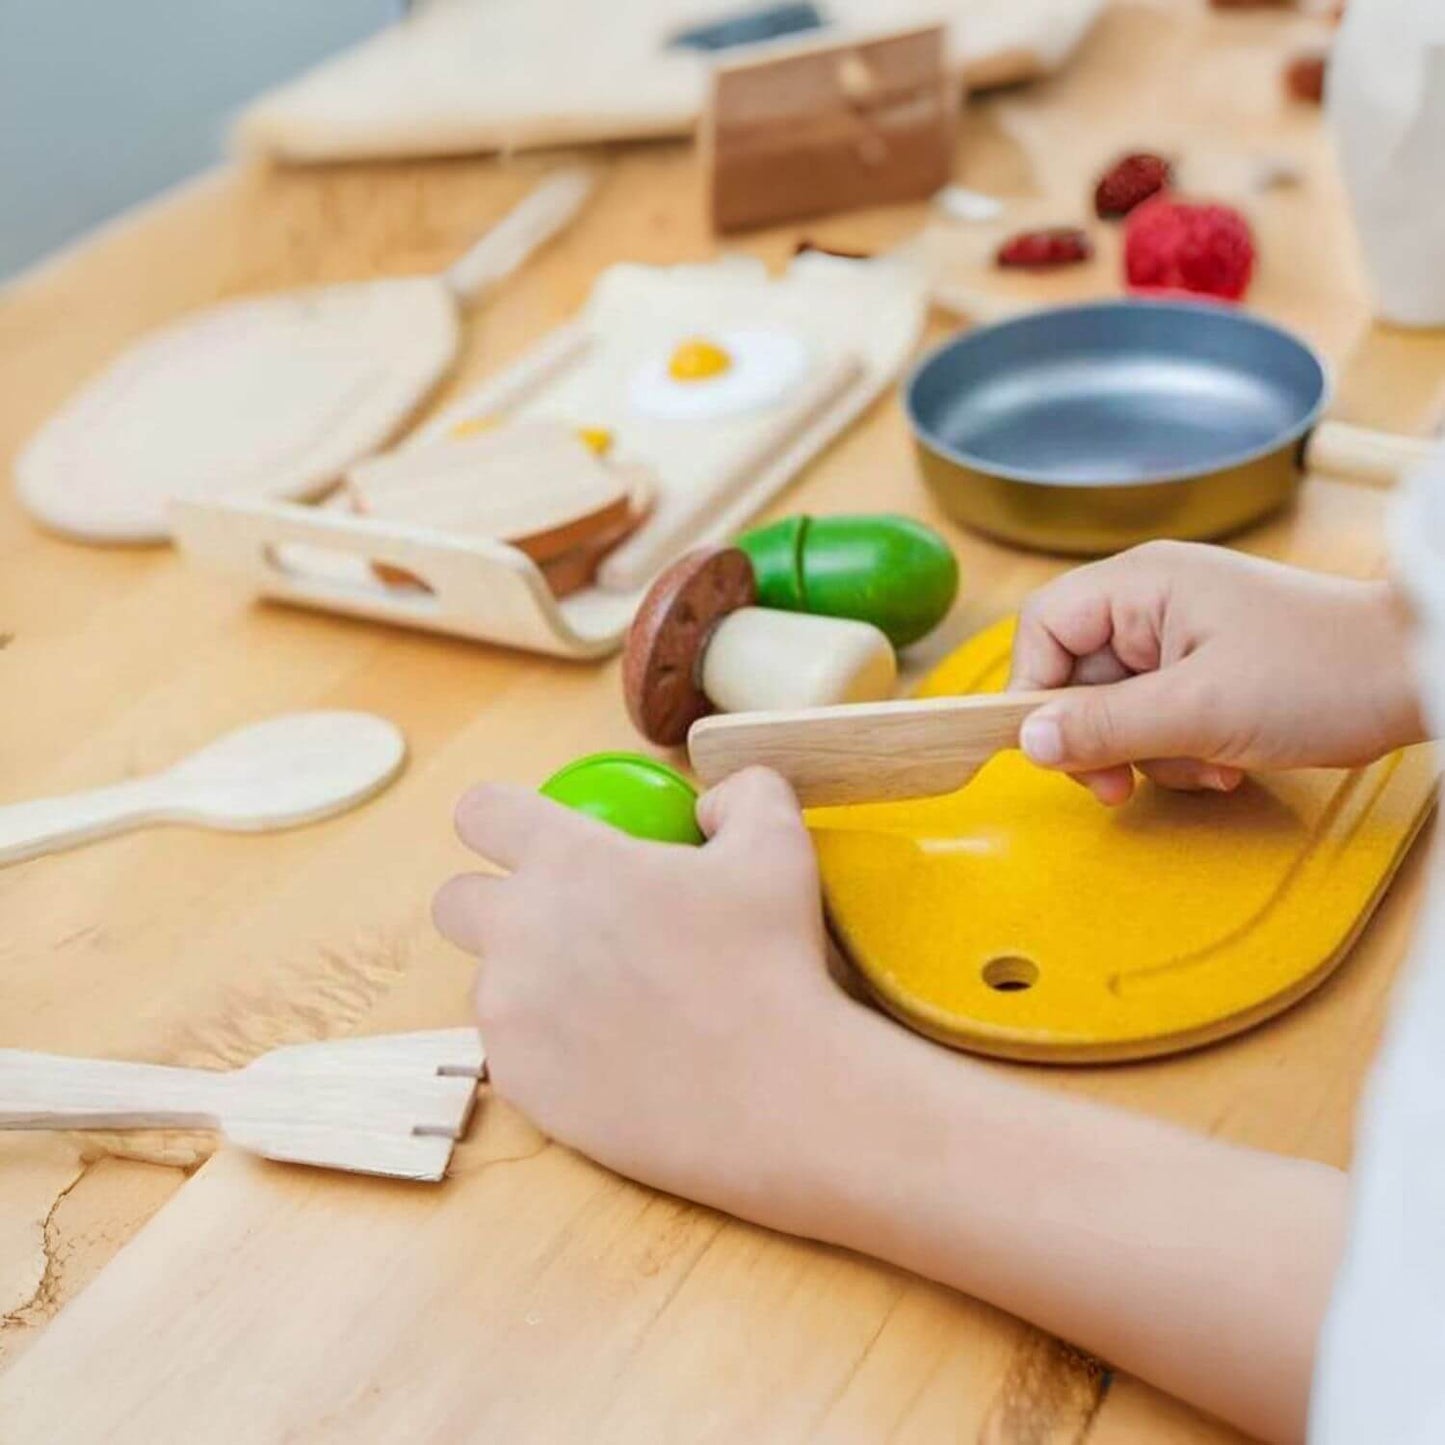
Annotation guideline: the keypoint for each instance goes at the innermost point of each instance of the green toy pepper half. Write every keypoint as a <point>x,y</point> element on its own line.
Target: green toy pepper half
<point>637,794</point>
<point>881,568</point>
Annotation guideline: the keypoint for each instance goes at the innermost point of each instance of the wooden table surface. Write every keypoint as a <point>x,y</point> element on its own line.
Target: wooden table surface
<point>533,1296</point>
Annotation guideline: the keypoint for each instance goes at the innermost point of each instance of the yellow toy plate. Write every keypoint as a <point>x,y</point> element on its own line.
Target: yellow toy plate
<point>1020,918</point>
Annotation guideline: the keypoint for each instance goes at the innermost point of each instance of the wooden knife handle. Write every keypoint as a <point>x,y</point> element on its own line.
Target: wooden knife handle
<point>865,752</point>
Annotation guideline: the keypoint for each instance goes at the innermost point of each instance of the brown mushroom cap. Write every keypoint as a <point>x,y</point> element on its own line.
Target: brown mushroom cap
<point>660,667</point>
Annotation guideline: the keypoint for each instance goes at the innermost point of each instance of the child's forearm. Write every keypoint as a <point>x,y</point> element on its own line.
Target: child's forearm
<point>1199,1266</point>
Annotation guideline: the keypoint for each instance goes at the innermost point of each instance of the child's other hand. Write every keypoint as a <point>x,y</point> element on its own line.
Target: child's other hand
<point>1208,663</point>
<point>664,1009</point>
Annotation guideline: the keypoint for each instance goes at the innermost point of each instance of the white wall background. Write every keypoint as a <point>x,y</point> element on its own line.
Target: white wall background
<point>106,102</point>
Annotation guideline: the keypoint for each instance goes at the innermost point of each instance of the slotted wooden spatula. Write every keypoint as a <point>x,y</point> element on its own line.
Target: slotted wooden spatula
<point>867,752</point>
<point>394,1104</point>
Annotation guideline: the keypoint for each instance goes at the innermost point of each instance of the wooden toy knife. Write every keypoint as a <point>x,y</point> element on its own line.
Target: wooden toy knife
<point>868,752</point>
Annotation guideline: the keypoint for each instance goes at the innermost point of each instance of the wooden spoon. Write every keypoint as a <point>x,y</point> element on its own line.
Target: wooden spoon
<point>297,768</point>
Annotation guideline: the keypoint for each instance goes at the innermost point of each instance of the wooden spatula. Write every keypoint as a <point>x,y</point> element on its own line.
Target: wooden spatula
<point>390,1105</point>
<point>867,752</point>
<point>266,396</point>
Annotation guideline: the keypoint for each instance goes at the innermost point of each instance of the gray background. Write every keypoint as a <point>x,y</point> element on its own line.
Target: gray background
<point>106,102</point>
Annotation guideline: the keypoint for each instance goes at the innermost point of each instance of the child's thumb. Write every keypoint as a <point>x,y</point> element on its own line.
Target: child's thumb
<point>1144,717</point>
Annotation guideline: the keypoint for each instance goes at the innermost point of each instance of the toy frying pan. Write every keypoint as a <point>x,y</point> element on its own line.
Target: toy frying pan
<point>269,396</point>
<point>1086,429</point>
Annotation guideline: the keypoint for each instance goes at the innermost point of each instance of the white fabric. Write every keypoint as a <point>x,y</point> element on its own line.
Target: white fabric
<point>1386,102</point>
<point>1380,1376</point>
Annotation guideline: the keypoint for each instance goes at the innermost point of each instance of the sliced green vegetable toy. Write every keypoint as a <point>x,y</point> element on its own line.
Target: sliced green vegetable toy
<point>881,568</point>
<point>637,794</point>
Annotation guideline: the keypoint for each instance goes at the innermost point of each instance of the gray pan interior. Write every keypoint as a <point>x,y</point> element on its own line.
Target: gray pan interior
<point>1117,392</point>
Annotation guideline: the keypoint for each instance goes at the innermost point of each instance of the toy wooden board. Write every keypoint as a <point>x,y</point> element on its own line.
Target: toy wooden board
<point>1020,918</point>
<point>702,459</point>
<point>270,396</point>
<point>469,75</point>
<point>858,321</point>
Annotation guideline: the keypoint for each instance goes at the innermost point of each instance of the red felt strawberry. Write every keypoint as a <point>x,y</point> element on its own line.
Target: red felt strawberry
<point>1204,247</point>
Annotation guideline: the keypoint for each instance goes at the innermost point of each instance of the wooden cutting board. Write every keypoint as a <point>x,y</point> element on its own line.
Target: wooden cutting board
<point>1018,918</point>
<point>476,75</point>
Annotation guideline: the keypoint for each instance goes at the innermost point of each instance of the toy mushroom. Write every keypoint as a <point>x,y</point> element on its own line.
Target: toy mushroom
<point>698,644</point>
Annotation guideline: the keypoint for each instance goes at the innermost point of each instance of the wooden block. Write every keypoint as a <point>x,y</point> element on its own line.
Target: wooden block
<point>830,128</point>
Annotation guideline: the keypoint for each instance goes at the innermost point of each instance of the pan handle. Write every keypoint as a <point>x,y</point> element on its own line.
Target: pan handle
<point>1358,454</point>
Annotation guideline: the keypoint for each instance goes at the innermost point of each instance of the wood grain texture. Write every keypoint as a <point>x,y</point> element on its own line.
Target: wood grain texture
<point>532,1295</point>
<point>867,752</point>
<point>829,127</point>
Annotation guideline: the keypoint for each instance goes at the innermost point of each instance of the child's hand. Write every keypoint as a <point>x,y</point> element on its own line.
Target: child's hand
<point>1211,663</point>
<point>664,1009</point>
<point>667,1011</point>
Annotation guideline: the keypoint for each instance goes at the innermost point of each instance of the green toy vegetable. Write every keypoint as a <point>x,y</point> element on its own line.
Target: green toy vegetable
<point>637,794</point>
<point>888,570</point>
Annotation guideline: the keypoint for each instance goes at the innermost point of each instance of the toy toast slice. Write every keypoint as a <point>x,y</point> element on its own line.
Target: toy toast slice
<point>535,485</point>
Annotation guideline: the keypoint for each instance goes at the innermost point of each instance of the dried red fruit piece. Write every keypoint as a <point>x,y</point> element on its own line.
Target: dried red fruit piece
<point>1130,180</point>
<point>1179,246</point>
<point>1304,78</point>
<point>1052,246</point>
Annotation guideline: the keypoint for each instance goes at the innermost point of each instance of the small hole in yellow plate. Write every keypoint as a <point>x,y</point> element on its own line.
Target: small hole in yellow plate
<point>1010,974</point>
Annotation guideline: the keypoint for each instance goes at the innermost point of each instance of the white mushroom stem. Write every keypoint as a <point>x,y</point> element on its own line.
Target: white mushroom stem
<point>761,658</point>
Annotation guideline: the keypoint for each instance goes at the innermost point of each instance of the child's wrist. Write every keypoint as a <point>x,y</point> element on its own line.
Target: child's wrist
<point>885,1115</point>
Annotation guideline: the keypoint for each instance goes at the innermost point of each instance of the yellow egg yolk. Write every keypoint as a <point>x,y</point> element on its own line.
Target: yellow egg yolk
<point>470,426</point>
<point>596,437</point>
<point>697,360</point>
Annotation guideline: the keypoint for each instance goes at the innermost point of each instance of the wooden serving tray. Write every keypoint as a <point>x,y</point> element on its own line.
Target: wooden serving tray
<point>1020,918</point>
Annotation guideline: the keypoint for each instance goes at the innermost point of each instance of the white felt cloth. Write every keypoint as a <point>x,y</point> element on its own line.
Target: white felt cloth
<point>479,75</point>
<point>1378,1376</point>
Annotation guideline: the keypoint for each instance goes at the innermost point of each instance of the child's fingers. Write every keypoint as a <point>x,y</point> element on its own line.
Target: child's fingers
<point>1112,607</point>
<point>462,907</point>
<point>1189,775</point>
<point>752,802</point>
<point>1111,786</point>
<point>1153,715</point>
<point>507,822</point>
<point>1098,667</point>
<point>1070,618</point>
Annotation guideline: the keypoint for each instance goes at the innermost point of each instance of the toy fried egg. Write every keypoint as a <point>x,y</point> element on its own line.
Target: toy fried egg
<point>704,378</point>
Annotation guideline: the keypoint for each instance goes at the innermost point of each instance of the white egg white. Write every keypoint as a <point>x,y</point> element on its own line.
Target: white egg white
<point>766,365</point>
